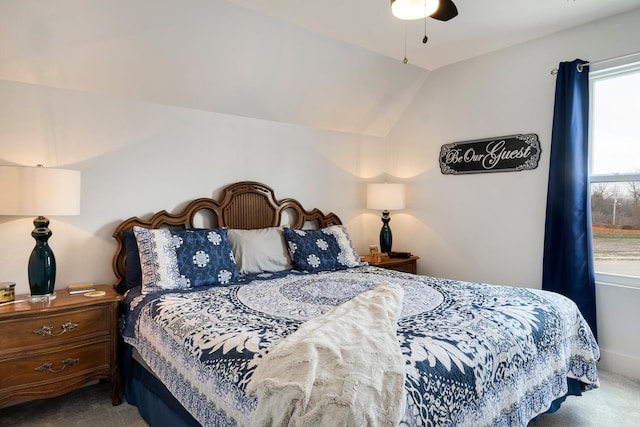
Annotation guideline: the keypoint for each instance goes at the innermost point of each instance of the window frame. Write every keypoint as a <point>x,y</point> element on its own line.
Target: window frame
<point>606,70</point>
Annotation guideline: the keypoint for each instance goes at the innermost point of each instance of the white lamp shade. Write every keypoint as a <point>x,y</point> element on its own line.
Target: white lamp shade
<point>37,191</point>
<point>413,9</point>
<point>386,196</point>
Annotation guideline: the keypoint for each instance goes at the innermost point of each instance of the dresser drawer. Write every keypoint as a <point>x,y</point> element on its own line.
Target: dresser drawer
<point>406,267</point>
<point>19,334</point>
<point>40,368</point>
<point>51,347</point>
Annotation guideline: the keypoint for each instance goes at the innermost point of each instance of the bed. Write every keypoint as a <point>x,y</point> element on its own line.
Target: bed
<point>281,324</point>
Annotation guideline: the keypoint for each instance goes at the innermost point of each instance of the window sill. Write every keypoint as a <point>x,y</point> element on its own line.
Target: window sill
<point>618,280</point>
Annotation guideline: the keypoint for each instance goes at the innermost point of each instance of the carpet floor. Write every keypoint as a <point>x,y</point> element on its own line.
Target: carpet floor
<point>88,406</point>
<point>615,403</point>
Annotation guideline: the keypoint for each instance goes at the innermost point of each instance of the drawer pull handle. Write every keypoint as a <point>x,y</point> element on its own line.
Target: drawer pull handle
<point>48,367</point>
<point>48,330</point>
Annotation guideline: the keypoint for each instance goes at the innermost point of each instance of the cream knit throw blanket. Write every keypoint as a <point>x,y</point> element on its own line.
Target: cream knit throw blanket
<point>344,368</point>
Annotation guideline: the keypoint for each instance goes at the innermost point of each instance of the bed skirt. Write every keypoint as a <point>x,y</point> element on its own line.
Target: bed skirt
<point>155,403</point>
<point>158,407</point>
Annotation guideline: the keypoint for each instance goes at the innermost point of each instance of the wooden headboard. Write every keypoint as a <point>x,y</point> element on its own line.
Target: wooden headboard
<point>244,205</point>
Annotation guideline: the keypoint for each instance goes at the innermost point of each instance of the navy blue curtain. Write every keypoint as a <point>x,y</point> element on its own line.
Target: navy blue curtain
<point>568,252</point>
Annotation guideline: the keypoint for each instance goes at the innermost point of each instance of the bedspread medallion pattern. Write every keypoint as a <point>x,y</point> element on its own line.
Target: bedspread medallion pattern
<point>475,354</point>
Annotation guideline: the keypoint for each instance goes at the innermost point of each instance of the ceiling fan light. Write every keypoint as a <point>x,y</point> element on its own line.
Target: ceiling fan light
<point>413,9</point>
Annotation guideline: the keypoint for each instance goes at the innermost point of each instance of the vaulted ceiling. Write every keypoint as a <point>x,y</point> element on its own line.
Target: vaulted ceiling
<point>325,64</point>
<point>482,25</point>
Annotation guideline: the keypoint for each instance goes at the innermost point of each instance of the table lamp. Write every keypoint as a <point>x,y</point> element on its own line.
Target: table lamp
<point>385,197</point>
<point>40,191</point>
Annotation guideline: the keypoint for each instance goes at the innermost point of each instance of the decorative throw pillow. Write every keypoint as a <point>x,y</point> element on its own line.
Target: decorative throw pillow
<point>132,271</point>
<point>329,248</point>
<point>260,250</point>
<point>181,259</point>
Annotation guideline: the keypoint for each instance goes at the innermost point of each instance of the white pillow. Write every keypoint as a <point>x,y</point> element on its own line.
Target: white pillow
<point>260,250</point>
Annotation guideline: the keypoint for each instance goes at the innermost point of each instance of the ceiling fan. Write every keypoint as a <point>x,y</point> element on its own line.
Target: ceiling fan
<point>446,11</point>
<point>442,10</point>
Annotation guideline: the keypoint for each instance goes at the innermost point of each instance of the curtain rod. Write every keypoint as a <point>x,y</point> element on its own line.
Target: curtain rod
<point>602,61</point>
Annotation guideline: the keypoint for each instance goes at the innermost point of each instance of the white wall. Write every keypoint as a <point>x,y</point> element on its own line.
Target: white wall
<point>161,102</point>
<point>137,158</point>
<point>490,227</point>
<point>164,101</point>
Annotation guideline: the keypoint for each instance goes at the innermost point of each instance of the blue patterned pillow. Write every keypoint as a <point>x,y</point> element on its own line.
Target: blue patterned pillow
<point>181,259</point>
<point>319,250</point>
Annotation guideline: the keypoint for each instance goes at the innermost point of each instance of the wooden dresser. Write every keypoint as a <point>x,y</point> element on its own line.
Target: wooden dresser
<point>50,348</point>
<point>408,265</point>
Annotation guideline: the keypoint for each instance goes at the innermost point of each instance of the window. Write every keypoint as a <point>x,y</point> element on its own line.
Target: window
<point>615,172</point>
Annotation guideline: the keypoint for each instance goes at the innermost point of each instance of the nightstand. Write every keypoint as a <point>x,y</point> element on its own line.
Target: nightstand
<point>50,348</point>
<point>408,265</point>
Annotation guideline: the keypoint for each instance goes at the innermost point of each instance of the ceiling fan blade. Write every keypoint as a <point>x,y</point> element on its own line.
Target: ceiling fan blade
<point>446,11</point>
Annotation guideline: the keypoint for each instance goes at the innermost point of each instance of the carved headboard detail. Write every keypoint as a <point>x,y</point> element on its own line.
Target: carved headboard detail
<point>244,205</point>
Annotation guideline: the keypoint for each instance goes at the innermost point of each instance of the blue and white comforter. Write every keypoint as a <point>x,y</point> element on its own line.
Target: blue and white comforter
<point>476,354</point>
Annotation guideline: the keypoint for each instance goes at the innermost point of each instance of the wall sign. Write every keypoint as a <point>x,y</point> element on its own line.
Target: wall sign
<point>501,154</point>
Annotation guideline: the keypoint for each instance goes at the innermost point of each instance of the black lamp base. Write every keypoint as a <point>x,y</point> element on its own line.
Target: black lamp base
<point>385,234</point>
<point>42,263</point>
